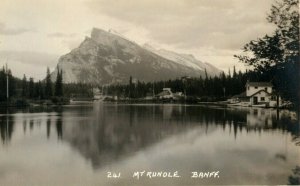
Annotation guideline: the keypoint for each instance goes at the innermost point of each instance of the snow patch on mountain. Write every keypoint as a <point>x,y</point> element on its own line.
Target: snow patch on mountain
<point>184,59</point>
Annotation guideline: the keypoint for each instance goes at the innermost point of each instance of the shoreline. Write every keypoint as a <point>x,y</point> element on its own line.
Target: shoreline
<point>49,103</point>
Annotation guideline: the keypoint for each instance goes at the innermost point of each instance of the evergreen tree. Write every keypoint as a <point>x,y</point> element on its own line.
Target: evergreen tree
<point>38,90</point>
<point>12,84</point>
<point>131,88</point>
<point>223,81</point>
<point>206,76</point>
<point>59,84</point>
<point>31,88</point>
<point>41,90</point>
<point>2,85</point>
<point>24,87</point>
<point>229,73</point>
<point>48,87</point>
<point>234,72</point>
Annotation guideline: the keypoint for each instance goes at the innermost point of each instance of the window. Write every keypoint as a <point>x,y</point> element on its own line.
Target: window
<point>262,99</point>
<point>266,89</point>
<point>255,87</point>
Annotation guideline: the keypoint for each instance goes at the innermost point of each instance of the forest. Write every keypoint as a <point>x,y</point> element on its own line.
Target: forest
<point>202,88</point>
<point>22,91</point>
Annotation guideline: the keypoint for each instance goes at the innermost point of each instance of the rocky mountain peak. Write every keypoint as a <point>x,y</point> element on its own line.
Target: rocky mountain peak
<point>108,57</point>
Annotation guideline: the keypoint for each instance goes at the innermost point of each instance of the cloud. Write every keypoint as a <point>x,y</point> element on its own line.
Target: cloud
<point>29,57</point>
<point>61,35</point>
<point>211,30</point>
<point>72,43</point>
<point>192,23</point>
<point>33,64</point>
<point>13,31</point>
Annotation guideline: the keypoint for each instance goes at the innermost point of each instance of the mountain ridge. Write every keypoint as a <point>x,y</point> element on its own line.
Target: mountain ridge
<point>108,58</point>
<point>182,58</point>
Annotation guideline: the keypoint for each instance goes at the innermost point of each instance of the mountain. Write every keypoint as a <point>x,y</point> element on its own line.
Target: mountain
<point>107,58</point>
<point>184,59</point>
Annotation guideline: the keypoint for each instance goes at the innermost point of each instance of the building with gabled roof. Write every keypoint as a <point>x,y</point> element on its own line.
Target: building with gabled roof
<point>253,87</point>
<point>165,94</point>
<point>258,94</point>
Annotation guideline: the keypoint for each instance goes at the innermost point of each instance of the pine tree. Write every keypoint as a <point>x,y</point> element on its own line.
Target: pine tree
<point>2,85</point>
<point>234,72</point>
<point>229,73</point>
<point>24,87</point>
<point>38,90</point>
<point>130,87</point>
<point>58,84</point>
<point>41,90</point>
<point>223,81</point>
<point>31,88</point>
<point>206,76</point>
<point>12,84</point>
<point>48,88</point>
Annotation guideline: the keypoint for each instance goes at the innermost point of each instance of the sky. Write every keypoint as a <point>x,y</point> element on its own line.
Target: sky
<point>35,33</point>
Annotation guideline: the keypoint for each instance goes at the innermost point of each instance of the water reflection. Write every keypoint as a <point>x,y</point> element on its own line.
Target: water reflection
<point>59,129</point>
<point>104,134</point>
<point>8,121</point>
<point>6,128</point>
<point>48,127</point>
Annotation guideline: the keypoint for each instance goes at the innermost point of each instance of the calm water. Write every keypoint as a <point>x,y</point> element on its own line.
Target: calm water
<point>78,145</point>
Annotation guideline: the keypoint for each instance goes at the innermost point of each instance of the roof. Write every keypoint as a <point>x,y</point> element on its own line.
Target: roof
<point>259,92</point>
<point>260,84</point>
<point>164,93</point>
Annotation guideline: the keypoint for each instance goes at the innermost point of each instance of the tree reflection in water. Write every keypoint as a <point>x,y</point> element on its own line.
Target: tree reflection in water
<point>104,133</point>
<point>6,128</point>
<point>118,131</point>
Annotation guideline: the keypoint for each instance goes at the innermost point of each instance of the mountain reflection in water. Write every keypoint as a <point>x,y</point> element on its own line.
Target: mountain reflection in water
<point>105,134</point>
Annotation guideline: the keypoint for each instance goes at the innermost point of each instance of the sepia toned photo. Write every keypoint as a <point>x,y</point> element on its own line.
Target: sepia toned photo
<point>149,92</point>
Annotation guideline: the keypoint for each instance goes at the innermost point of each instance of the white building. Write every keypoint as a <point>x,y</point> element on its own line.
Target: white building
<point>97,93</point>
<point>261,93</point>
<point>165,94</point>
<point>254,87</point>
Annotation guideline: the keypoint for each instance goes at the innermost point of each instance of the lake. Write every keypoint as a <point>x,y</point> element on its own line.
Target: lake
<point>85,144</point>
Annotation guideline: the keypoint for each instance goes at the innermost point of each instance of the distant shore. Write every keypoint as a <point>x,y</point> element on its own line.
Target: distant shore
<point>59,101</point>
<point>55,101</point>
